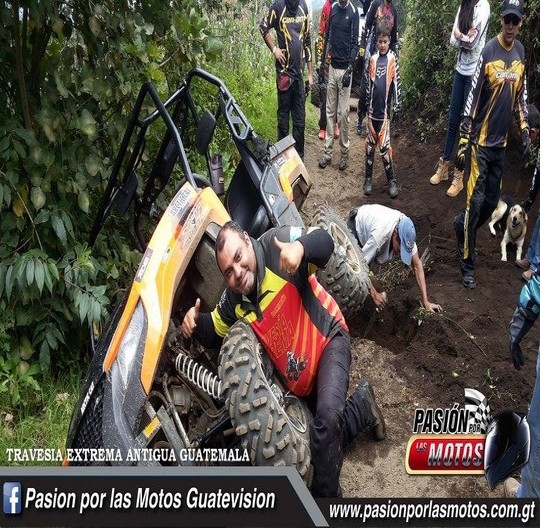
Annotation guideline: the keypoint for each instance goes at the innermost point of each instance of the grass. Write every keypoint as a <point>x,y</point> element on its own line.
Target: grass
<point>42,424</point>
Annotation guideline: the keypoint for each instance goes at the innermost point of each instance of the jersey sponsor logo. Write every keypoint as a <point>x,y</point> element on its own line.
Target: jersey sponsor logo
<point>381,71</point>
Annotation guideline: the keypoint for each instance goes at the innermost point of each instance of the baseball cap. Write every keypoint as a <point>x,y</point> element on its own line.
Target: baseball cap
<point>407,237</point>
<point>512,7</point>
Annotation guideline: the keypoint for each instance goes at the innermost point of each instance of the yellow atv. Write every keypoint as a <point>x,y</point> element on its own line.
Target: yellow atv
<point>150,397</point>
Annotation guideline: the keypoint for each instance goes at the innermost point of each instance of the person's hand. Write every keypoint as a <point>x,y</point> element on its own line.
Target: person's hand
<point>461,152</point>
<point>432,307</point>
<point>190,319</point>
<point>526,204</point>
<point>380,299</point>
<point>291,255</point>
<point>516,354</point>
<point>396,116</point>
<point>526,142</point>
<point>279,55</point>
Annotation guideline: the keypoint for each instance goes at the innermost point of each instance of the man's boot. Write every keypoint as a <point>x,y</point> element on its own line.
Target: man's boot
<point>457,184</point>
<point>368,188</point>
<point>441,174</point>
<point>362,413</point>
<point>392,183</point>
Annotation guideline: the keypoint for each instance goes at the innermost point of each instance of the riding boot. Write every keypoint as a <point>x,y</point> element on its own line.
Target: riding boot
<point>368,188</point>
<point>392,183</point>
<point>361,414</point>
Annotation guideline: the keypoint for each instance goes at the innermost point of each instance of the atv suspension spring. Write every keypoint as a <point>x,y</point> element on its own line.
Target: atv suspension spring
<point>198,375</point>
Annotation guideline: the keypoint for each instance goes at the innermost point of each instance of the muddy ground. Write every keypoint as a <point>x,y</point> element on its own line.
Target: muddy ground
<point>429,364</point>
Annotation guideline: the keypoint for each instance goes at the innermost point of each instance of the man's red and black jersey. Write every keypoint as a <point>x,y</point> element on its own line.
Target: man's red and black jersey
<point>294,317</point>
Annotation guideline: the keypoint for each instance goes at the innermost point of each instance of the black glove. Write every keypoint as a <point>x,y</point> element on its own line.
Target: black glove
<point>526,204</point>
<point>519,326</point>
<point>396,116</point>
<point>320,75</point>
<point>526,142</point>
<point>347,77</point>
<point>461,153</point>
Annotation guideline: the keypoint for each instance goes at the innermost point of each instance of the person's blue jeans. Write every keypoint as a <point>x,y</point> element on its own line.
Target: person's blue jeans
<point>530,473</point>
<point>533,252</point>
<point>460,89</point>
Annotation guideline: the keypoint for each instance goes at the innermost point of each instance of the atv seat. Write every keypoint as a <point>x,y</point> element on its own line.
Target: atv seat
<point>244,204</point>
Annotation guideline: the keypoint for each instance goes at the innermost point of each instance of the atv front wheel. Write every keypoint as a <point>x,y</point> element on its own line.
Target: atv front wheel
<point>272,424</point>
<point>346,275</point>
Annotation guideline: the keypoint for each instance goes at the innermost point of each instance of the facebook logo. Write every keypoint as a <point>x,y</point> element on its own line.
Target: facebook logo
<point>12,498</point>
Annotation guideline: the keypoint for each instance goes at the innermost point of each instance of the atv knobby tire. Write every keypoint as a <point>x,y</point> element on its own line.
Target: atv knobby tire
<point>346,275</point>
<point>273,435</point>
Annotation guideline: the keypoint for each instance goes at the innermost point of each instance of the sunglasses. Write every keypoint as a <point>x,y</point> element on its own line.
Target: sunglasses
<point>511,19</point>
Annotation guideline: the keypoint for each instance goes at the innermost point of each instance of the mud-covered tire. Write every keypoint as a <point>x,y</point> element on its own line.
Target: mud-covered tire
<point>346,275</point>
<point>272,434</point>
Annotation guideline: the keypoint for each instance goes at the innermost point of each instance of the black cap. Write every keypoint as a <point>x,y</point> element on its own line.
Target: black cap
<point>512,7</point>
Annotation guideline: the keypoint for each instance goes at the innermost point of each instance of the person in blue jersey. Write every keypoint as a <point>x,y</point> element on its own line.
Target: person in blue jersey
<point>522,321</point>
<point>498,91</point>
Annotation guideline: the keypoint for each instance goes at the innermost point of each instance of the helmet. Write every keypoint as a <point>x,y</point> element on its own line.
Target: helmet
<point>507,446</point>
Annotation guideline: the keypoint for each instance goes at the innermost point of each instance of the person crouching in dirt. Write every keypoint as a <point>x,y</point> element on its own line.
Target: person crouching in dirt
<point>278,270</point>
<point>383,232</point>
<point>525,315</point>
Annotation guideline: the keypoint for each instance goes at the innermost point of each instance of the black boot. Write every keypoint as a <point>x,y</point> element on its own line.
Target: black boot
<point>368,175</point>
<point>362,413</point>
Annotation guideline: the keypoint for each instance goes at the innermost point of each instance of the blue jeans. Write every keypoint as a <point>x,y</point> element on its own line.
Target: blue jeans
<point>533,252</point>
<point>460,89</point>
<point>530,473</point>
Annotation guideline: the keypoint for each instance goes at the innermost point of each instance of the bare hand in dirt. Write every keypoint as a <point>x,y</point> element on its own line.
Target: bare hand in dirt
<point>291,255</point>
<point>379,299</point>
<point>190,319</point>
<point>432,307</point>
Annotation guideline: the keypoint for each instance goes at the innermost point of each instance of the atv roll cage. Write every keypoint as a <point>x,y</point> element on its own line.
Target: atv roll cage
<point>255,196</point>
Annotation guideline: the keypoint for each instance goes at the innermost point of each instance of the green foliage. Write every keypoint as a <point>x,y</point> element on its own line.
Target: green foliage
<point>70,75</point>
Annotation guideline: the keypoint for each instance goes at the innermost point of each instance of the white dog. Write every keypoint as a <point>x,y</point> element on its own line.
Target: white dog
<point>515,226</point>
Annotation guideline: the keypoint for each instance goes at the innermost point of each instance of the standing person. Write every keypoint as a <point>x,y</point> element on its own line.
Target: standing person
<point>499,88</point>
<point>383,232</point>
<point>522,321</point>
<point>379,10</point>
<point>531,262</point>
<point>271,284</point>
<point>323,66</point>
<point>291,21</point>
<point>469,37</point>
<point>342,39</point>
<point>383,86</point>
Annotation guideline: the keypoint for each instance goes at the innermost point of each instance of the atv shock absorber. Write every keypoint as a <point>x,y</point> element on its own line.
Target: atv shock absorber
<point>199,375</point>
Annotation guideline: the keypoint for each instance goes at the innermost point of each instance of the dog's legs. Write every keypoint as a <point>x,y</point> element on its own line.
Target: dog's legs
<point>492,228</point>
<point>519,249</point>
<point>503,249</point>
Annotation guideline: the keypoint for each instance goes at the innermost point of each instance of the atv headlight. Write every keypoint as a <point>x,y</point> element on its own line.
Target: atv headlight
<point>132,341</point>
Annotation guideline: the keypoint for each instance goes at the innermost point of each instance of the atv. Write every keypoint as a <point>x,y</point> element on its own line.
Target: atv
<point>148,388</point>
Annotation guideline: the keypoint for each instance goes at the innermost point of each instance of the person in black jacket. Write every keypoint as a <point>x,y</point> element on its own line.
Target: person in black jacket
<point>342,46</point>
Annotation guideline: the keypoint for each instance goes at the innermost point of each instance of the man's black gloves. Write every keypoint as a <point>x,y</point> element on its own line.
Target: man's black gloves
<point>522,321</point>
<point>526,142</point>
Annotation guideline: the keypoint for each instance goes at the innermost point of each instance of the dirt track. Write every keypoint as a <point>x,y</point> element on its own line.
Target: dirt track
<point>427,365</point>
